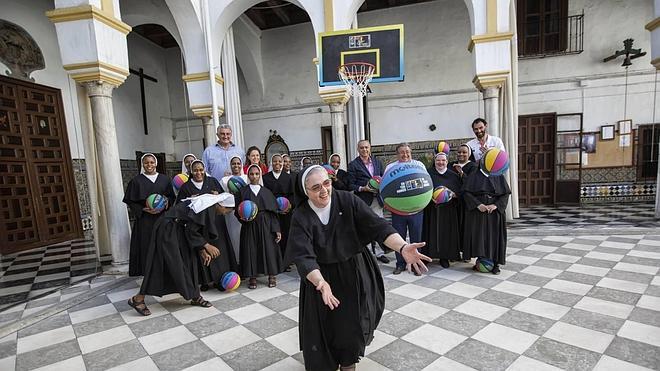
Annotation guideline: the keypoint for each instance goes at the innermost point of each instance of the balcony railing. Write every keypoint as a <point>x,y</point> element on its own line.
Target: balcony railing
<point>551,37</point>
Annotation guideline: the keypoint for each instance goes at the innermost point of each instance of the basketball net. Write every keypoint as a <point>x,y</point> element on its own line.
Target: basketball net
<point>356,77</point>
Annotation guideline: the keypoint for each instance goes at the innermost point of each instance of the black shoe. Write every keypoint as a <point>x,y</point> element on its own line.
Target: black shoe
<point>496,270</point>
<point>203,287</point>
<point>383,259</point>
<point>444,263</point>
<point>398,270</point>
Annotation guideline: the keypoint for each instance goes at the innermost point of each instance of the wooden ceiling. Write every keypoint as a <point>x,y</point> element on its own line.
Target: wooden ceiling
<point>156,34</point>
<point>266,15</point>
<point>278,13</point>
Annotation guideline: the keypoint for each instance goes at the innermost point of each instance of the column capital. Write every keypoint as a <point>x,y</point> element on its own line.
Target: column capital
<point>491,92</point>
<point>487,79</point>
<point>336,107</point>
<point>98,88</point>
<point>339,95</point>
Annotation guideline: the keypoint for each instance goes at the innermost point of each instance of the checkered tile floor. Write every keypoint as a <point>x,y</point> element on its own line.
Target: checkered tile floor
<point>35,272</point>
<point>584,302</point>
<point>586,215</point>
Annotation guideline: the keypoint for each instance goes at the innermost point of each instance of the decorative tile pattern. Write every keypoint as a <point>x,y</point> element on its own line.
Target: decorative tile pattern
<point>37,272</point>
<point>581,305</point>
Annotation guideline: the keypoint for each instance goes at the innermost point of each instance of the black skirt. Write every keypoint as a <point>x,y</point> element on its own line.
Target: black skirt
<point>338,337</point>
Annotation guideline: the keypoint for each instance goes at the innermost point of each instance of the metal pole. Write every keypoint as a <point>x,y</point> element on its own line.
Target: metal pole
<point>367,127</point>
<point>209,52</point>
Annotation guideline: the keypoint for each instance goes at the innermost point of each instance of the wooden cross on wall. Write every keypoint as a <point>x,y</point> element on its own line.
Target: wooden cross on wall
<point>140,72</point>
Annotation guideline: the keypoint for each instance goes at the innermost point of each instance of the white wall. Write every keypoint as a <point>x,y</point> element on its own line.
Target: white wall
<point>582,82</point>
<point>438,76</point>
<point>290,102</point>
<point>128,105</point>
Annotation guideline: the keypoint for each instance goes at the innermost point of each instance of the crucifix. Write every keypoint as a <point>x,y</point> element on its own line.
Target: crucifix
<point>143,76</point>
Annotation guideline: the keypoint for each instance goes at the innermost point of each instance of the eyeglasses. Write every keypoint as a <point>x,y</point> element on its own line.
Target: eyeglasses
<point>316,188</point>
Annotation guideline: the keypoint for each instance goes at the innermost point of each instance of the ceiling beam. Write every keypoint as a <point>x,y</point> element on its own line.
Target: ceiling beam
<point>257,18</point>
<point>279,11</point>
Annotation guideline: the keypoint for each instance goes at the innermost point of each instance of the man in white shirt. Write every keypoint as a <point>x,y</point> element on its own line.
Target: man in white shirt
<point>483,141</point>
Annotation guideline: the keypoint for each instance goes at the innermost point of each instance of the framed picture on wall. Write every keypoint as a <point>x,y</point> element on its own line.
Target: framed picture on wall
<point>607,132</point>
<point>625,127</point>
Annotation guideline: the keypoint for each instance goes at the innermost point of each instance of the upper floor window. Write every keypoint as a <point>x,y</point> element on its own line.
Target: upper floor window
<point>544,28</point>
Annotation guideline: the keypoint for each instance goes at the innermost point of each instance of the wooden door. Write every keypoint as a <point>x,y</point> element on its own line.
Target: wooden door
<point>37,192</point>
<point>327,145</point>
<point>536,146</point>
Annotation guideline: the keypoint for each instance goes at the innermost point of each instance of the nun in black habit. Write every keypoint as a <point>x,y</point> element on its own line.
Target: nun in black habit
<point>201,183</point>
<point>463,167</point>
<point>486,198</point>
<point>260,253</point>
<point>340,180</point>
<point>280,184</point>
<point>183,234</point>
<point>148,182</point>
<point>440,229</point>
<point>341,289</point>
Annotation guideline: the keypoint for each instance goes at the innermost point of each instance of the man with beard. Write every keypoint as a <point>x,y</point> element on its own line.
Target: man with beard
<point>483,140</point>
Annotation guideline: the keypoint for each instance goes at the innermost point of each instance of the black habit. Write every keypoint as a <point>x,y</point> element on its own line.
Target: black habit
<point>484,233</point>
<point>329,338</point>
<point>341,181</point>
<point>172,256</point>
<point>469,168</point>
<point>259,254</point>
<point>281,187</point>
<point>226,262</point>
<point>440,229</point>
<point>137,191</point>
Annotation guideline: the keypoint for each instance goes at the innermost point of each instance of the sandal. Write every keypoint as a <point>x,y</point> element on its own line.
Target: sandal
<point>200,302</point>
<point>253,283</point>
<point>272,281</point>
<point>139,306</point>
<point>347,368</point>
<point>204,287</point>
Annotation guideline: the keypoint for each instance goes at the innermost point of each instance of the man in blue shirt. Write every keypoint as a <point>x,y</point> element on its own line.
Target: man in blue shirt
<point>217,156</point>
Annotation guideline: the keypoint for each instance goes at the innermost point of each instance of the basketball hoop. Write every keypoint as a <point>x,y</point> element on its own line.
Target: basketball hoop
<point>356,76</point>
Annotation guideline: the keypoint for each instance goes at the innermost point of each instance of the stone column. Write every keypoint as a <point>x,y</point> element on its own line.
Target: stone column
<point>355,127</point>
<point>232,95</point>
<point>492,109</point>
<point>210,136</point>
<point>103,120</point>
<point>337,118</point>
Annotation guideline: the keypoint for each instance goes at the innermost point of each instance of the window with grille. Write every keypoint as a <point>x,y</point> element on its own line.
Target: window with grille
<point>544,28</point>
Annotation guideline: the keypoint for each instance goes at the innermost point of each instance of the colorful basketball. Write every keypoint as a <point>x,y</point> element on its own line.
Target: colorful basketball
<point>156,202</point>
<point>331,170</point>
<point>374,183</point>
<point>484,265</point>
<point>235,183</point>
<point>229,281</point>
<point>494,162</point>
<point>247,210</point>
<point>283,205</point>
<point>179,180</point>
<point>443,147</point>
<point>406,188</point>
<point>441,195</point>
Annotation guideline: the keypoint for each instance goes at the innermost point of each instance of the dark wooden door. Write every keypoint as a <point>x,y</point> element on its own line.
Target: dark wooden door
<point>37,192</point>
<point>536,161</point>
<point>327,144</point>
